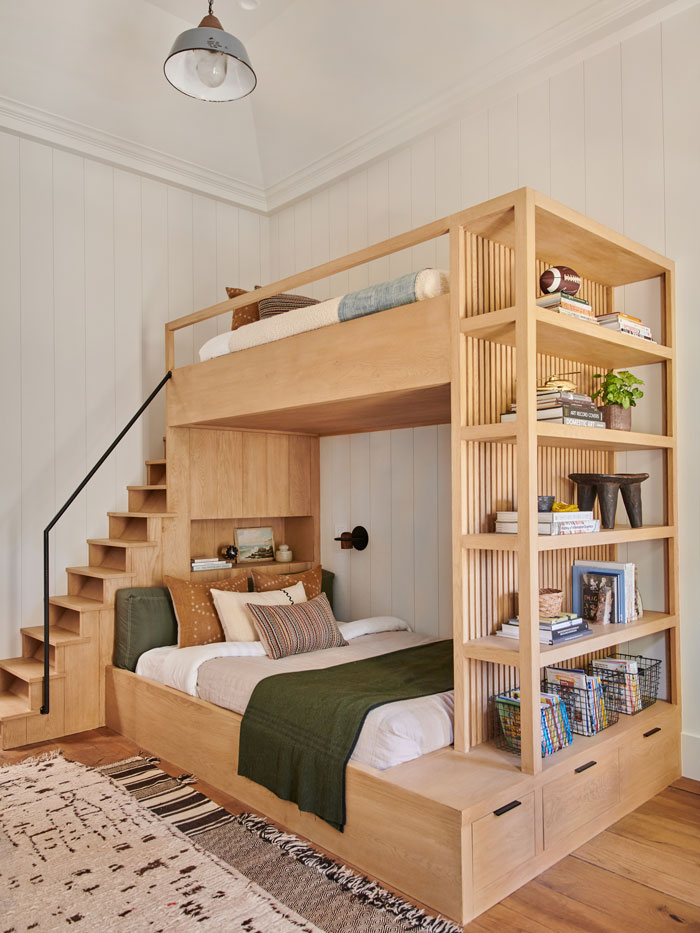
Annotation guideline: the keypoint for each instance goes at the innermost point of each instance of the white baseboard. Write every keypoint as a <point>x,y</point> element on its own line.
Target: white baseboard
<point>690,751</point>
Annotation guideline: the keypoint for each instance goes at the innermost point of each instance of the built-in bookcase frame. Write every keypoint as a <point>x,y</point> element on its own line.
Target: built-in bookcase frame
<point>498,331</point>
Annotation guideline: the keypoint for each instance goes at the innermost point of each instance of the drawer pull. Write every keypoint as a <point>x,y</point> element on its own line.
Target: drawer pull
<point>589,764</point>
<point>652,732</point>
<point>506,807</point>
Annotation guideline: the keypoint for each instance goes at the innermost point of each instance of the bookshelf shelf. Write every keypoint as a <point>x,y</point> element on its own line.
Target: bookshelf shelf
<point>621,535</point>
<point>569,338</point>
<point>499,650</point>
<point>568,436</point>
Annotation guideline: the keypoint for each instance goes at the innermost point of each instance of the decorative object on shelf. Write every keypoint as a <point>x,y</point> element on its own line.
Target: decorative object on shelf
<point>564,507</point>
<point>210,64</point>
<point>606,486</point>
<point>545,503</point>
<point>560,279</point>
<point>550,601</point>
<point>230,552</point>
<point>559,383</point>
<point>618,394</point>
<point>283,554</point>
<point>357,538</point>
<point>255,544</point>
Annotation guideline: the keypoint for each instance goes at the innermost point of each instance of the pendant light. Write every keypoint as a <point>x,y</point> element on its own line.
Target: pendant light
<point>210,64</point>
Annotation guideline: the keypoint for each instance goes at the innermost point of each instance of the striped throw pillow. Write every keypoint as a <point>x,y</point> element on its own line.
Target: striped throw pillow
<point>285,630</point>
<point>279,304</point>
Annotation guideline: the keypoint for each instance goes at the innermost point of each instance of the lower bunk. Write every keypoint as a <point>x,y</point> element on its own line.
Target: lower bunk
<point>455,832</point>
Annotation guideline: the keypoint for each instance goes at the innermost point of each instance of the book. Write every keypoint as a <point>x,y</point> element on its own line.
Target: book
<point>211,565</point>
<point>588,527</point>
<point>622,673</point>
<point>555,298</point>
<point>576,422</point>
<point>554,721</point>
<point>546,415</point>
<point>619,316</point>
<point>546,637</point>
<point>549,517</point>
<point>584,697</point>
<point>629,571</point>
<point>591,583</point>
<point>575,314</point>
<point>561,620</point>
<point>631,329</point>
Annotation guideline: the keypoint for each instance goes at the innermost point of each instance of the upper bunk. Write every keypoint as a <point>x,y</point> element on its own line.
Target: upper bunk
<point>394,368</point>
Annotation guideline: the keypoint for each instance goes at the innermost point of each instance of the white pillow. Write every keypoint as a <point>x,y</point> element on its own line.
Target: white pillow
<point>237,621</point>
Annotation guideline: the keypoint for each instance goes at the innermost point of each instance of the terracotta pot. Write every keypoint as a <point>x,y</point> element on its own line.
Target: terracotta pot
<point>616,417</point>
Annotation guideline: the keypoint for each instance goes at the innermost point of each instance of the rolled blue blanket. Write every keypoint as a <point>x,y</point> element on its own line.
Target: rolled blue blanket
<point>401,291</point>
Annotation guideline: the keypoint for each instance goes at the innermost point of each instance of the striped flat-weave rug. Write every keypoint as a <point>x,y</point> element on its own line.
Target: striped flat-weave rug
<point>327,894</point>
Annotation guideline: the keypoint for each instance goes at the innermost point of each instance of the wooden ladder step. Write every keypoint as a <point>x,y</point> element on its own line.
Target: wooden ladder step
<point>101,573</point>
<point>57,636</point>
<point>14,707</point>
<point>160,488</point>
<point>28,669</point>
<point>78,603</point>
<point>121,542</point>
<point>156,462</point>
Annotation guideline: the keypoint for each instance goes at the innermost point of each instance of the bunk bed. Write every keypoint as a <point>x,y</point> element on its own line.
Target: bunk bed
<point>459,828</point>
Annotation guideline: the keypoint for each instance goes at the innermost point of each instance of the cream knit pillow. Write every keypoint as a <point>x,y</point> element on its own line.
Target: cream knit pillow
<point>237,620</point>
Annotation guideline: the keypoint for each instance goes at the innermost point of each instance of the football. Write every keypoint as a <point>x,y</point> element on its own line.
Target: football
<point>560,279</point>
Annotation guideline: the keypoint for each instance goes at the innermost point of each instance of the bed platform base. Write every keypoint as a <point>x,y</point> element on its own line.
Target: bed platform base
<point>455,832</point>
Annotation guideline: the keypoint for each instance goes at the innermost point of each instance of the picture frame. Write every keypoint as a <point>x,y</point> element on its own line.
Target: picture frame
<point>255,545</point>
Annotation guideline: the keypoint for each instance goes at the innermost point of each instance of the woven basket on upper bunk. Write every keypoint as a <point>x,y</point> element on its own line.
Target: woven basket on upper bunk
<point>550,602</point>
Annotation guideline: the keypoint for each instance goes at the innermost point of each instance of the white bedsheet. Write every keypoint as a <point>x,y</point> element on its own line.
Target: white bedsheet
<point>392,733</point>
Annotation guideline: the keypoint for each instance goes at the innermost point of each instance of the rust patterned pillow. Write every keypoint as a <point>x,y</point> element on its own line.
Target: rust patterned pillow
<point>297,629</point>
<point>197,620</point>
<point>248,314</point>
<point>263,582</point>
<point>280,304</point>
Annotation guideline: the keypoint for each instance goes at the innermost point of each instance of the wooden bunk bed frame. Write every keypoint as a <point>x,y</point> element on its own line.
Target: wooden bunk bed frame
<point>460,828</point>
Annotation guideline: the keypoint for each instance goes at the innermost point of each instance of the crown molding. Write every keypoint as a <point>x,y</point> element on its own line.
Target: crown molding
<point>33,123</point>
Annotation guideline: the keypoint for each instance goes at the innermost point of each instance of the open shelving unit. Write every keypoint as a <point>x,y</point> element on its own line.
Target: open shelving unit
<point>498,331</point>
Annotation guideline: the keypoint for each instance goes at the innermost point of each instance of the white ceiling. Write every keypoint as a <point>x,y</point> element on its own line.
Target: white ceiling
<point>333,75</point>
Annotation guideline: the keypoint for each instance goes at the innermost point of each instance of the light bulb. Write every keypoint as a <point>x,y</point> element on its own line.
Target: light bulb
<point>211,67</point>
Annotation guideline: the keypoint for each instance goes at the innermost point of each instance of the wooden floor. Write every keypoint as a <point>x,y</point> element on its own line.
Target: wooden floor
<point>642,874</point>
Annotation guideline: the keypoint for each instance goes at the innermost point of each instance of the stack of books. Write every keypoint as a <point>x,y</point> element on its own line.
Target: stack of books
<point>605,591</point>
<point>556,731</point>
<point>209,563</point>
<point>626,324</point>
<point>553,629</point>
<point>551,523</point>
<point>571,305</point>
<point>626,675</point>
<point>560,407</point>
<point>584,697</point>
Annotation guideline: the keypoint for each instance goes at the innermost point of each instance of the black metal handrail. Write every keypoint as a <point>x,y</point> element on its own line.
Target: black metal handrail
<point>46,692</point>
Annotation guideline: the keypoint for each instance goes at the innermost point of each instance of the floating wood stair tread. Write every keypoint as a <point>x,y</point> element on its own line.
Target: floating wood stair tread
<point>156,462</point>
<point>502,650</point>
<point>78,603</point>
<point>27,669</point>
<point>141,514</point>
<point>159,488</point>
<point>14,707</point>
<point>570,436</point>
<point>121,542</point>
<point>101,573</point>
<point>57,636</point>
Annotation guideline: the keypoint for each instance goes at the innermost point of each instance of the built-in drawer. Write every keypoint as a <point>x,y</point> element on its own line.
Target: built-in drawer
<point>502,840</point>
<point>579,796</point>
<point>650,757</point>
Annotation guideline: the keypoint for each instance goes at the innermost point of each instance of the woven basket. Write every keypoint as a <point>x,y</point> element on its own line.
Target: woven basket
<point>550,602</point>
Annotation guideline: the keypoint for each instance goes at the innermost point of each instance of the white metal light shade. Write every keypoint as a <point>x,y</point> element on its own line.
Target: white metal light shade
<point>210,64</point>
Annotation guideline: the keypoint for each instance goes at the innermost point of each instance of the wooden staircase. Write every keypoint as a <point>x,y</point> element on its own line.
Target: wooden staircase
<point>81,634</point>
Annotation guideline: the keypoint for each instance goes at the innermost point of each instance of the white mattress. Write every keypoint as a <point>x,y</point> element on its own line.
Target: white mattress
<point>391,734</point>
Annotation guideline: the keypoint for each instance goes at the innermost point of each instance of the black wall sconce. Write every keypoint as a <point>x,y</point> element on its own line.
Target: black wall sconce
<point>357,538</point>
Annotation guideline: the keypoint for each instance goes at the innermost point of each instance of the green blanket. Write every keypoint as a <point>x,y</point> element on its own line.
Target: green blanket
<point>299,729</point>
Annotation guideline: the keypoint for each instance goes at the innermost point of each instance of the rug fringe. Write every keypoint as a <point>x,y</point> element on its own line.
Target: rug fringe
<point>368,891</point>
<point>34,759</point>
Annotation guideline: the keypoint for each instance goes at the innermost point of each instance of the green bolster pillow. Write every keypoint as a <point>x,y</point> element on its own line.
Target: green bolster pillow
<point>143,619</point>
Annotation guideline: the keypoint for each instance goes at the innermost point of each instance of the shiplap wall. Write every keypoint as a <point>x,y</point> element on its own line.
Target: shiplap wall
<point>93,261</point>
<point>616,137</point>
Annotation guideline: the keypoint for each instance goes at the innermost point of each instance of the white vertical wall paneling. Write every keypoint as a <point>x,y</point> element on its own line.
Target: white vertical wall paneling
<point>69,357</point>
<point>474,135</point>
<point>567,140</point>
<point>302,239</point>
<point>503,147</point>
<point>425,542</point>
<point>360,562</point>
<point>400,214</point>
<point>357,227</point>
<point>380,522</point>
<point>129,393</point>
<point>338,233</point>
<point>285,234</point>
<point>340,465</point>
<point>274,248</point>
<point>204,290</point>
<point>154,297</point>
<point>10,388</point>
<point>265,274</point>
<point>100,362</point>
<point>533,138</point>
<point>681,86</point>
<point>378,216</point>
<point>402,525</point>
<point>227,269</point>
<point>180,287</point>
<point>423,198</point>
<point>320,241</point>
<point>328,547</point>
<point>448,187</point>
<point>444,532</point>
<point>603,138</point>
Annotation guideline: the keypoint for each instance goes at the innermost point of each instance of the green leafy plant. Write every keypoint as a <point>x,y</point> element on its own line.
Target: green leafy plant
<point>618,388</point>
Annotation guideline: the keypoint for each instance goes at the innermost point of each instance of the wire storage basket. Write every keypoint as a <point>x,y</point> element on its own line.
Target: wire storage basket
<point>504,716</point>
<point>590,710</point>
<point>635,678</point>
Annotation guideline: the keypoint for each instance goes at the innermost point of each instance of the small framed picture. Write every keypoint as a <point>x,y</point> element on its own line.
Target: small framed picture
<point>255,544</point>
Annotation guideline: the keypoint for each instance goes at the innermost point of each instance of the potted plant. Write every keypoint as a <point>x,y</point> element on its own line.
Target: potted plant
<point>618,394</point>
